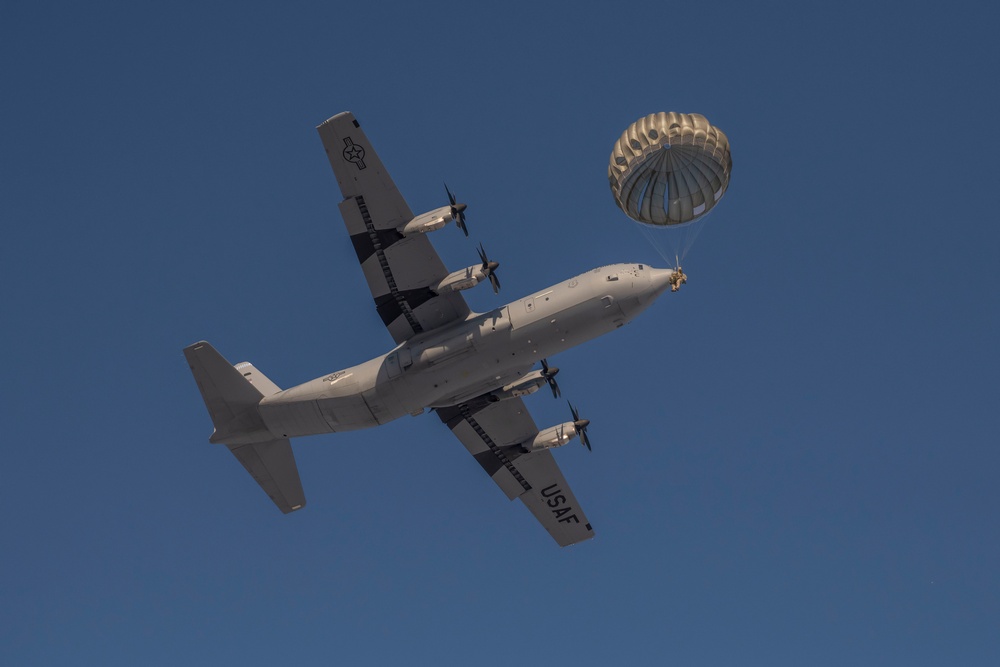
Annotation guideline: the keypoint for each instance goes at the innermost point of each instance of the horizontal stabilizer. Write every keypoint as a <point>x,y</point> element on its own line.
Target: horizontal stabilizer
<point>272,465</point>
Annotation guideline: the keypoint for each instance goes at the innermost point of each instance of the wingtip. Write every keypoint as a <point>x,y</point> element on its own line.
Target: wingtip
<point>293,508</point>
<point>343,115</point>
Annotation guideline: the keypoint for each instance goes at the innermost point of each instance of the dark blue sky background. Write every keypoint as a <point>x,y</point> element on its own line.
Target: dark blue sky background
<point>795,458</point>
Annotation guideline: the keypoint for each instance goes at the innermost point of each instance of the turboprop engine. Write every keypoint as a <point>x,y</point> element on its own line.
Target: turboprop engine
<point>556,436</point>
<point>462,279</point>
<point>529,384</point>
<point>438,218</point>
<point>428,222</point>
<point>471,276</point>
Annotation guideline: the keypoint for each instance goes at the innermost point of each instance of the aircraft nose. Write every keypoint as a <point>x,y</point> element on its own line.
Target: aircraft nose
<point>659,281</point>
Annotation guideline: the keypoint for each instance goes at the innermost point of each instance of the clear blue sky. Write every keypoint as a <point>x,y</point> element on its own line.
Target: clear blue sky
<point>795,458</point>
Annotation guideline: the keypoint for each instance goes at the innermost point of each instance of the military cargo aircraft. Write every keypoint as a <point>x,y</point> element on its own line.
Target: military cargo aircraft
<point>472,369</point>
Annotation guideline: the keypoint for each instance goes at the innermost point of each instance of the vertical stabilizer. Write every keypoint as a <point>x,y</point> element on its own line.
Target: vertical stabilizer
<point>231,399</point>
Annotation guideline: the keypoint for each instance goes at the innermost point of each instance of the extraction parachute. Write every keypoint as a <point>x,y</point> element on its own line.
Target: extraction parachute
<point>668,170</point>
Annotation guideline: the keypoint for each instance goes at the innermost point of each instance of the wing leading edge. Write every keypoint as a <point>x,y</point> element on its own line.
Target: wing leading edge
<point>400,270</point>
<point>493,433</point>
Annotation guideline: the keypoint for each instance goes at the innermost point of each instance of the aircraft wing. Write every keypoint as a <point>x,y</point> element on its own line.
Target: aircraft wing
<point>399,270</point>
<point>493,433</point>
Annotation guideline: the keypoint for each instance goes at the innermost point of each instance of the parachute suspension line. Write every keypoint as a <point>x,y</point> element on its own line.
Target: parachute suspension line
<point>690,232</point>
<point>662,242</point>
<point>644,230</point>
<point>673,242</point>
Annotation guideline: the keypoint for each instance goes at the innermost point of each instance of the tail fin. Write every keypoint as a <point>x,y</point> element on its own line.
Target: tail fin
<point>232,394</point>
<point>230,397</point>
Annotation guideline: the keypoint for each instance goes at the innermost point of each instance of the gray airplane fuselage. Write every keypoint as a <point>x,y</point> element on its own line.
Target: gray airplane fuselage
<point>482,354</point>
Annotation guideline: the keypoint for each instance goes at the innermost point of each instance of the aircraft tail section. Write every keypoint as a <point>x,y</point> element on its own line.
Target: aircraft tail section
<point>232,394</point>
<point>231,398</point>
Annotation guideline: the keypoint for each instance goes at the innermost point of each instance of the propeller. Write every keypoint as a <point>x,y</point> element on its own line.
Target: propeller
<point>457,211</point>
<point>489,269</point>
<point>549,373</point>
<point>581,427</point>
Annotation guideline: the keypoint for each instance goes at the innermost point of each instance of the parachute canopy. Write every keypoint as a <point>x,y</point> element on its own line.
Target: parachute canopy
<point>669,168</point>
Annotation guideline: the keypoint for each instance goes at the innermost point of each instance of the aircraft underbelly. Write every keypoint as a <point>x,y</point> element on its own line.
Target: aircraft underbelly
<point>347,413</point>
<point>383,404</point>
<point>543,334</point>
<point>292,419</point>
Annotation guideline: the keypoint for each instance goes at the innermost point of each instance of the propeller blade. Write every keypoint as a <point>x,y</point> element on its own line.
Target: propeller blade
<point>581,427</point>
<point>457,211</point>
<point>489,268</point>
<point>550,376</point>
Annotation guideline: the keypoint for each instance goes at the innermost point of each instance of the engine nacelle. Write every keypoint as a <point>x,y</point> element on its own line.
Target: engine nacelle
<point>528,384</point>
<point>465,278</point>
<point>557,436</point>
<point>428,222</point>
